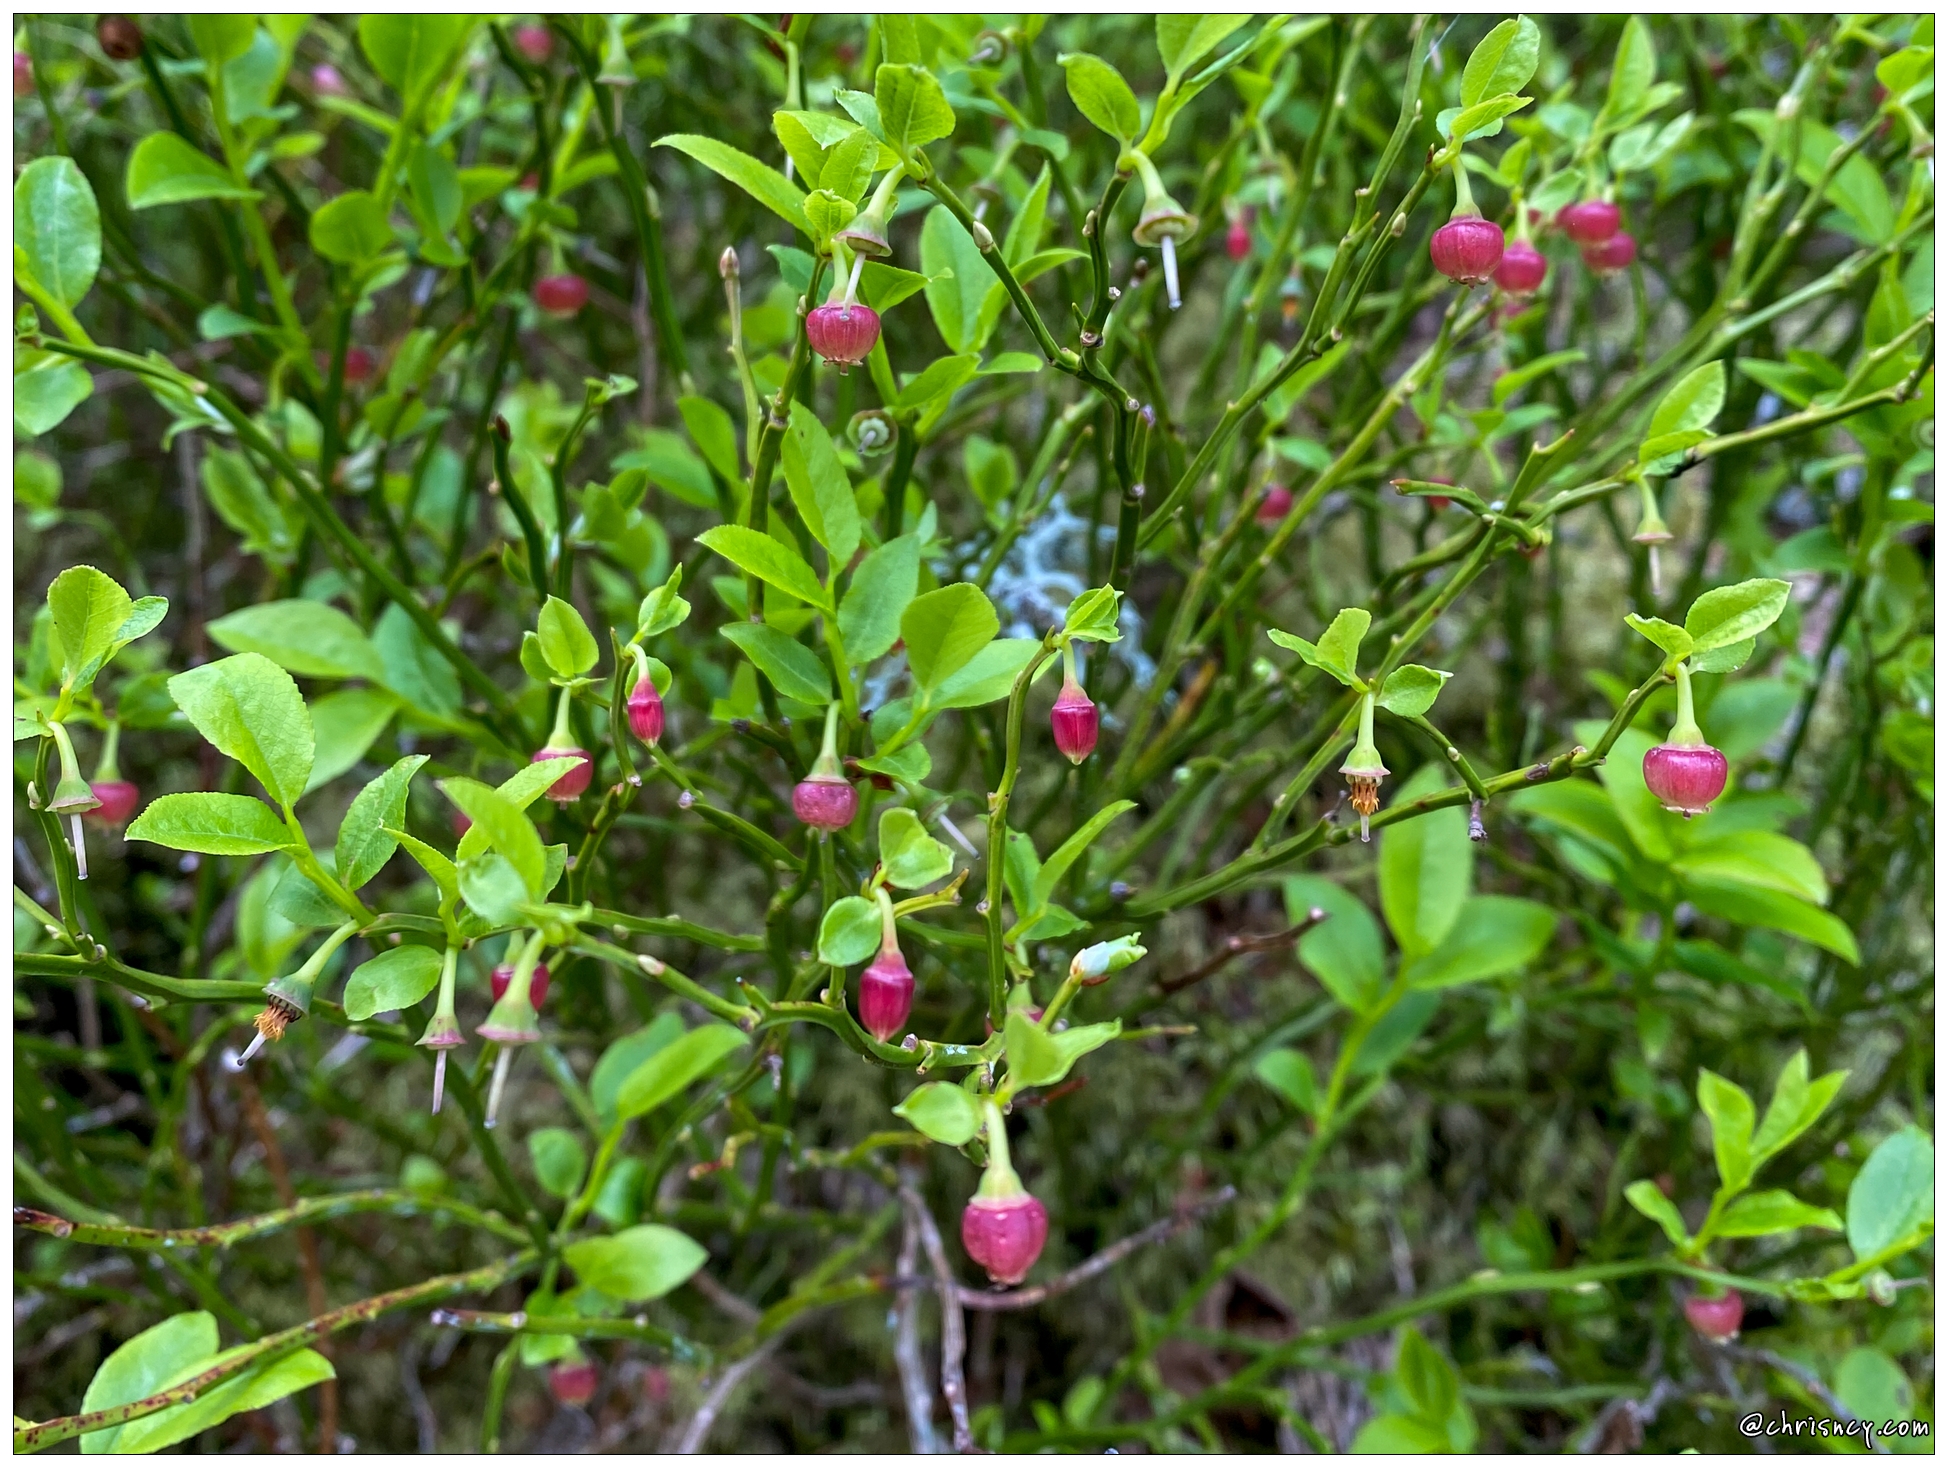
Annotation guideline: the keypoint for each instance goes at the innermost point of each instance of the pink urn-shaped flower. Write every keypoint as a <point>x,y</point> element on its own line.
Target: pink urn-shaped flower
<point>1684,772</point>
<point>1607,257</point>
<point>1522,270</point>
<point>1715,1317</point>
<point>644,705</point>
<point>561,295</point>
<point>1003,1226</point>
<point>561,745</point>
<point>825,799</point>
<point>1074,720</point>
<point>1275,505</point>
<point>1590,221</point>
<point>503,975</point>
<point>843,334</point>
<point>886,985</point>
<point>1467,249</point>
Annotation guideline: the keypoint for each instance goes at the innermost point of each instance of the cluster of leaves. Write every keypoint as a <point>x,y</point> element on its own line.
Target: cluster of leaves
<point>282,367</point>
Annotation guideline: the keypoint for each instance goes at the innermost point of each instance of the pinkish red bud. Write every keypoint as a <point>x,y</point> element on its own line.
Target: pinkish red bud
<point>1715,1317</point>
<point>843,335</point>
<point>1685,777</point>
<point>1522,269</point>
<point>503,975</point>
<point>327,80</point>
<point>23,75</point>
<point>1075,722</point>
<point>825,802</point>
<point>572,784</point>
<point>118,798</point>
<point>1237,239</point>
<point>1004,1235</point>
<point>1275,506</point>
<point>645,708</point>
<point>359,365</point>
<point>573,1383</point>
<point>885,995</point>
<point>1611,255</point>
<point>561,295</point>
<point>462,823</point>
<point>535,42</point>
<point>1589,222</point>
<point>1466,250</point>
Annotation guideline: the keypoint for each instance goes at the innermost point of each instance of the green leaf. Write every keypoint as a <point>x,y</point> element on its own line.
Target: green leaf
<point>1410,690</point>
<point>559,1160</point>
<point>396,978</point>
<point>1727,659</point>
<point>1038,1058</point>
<point>1070,851</point>
<point>1892,1196</point>
<point>216,825</point>
<point>1491,936</point>
<point>1091,617</point>
<point>850,165</point>
<point>765,184</point>
<point>346,724</point>
<point>1730,1111</point>
<point>363,846</point>
<point>939,379</point>
<point>504,826</point>
<point>1502,61</point>
<point>493,887</point>
<point>819,487</point>
<point>913,111</point>
<point>671,465</point>
<point>990,674</point>
<point>622,1057</point>
<point>47,387</point>
<point>1426,866</point>
<point>89,609</point>
<point>351,229</point>
<point>882,587</point>
<point>248,1391</point>
<point>1648,1199</point>
<point>1425,1377</point>
<point>1183,40</point>
<point>641,1263</point>
<point>57,228</point>
<point>311,638</point>
<point>910,856</point>
<point>1796,1105</point>
<point>768,559</point>
<point>221,38</point>
<point>943,1112</point>
<point>1101,95</point>
<point>1517,378</point>
<point>1757,858</point>
<point>251,710</point>
<point>144,1365</point>
<point>1631,74</point>
<point>958,280</point>
<point>1763,907</point>
<point>1673,640</point>
<point>1339,644</point>
<point>670,1070</point>
<point>434,862</point>
<point>1693,402</point>
<point>1731,614</point>
<point>166,168</point>
<point>944,629</point>
<point>1344,952</point>
<point>436,188</point>
<point>1393,1432</point>
<point>1484,119</point>
<point>1774,1211</point>
<point>662,609</point>
<point>411,52</point>
<point>714,434</point>
<point>1871,1385</point>
<point>1290,1074</point>
<point>793,668</point>
<point>1857,191</point>
<point>566,642</point>
<point>850,932</point>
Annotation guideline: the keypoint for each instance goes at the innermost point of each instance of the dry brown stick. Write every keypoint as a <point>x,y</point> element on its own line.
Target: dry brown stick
<point>953,1325</point>
<point>314,1275</point>
<point>906,1340</point>
<point>1238,944</point>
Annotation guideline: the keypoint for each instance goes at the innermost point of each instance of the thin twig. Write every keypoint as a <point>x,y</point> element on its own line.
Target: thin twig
<point>953,1325</point>
<point>691,1438</point>
<point>906,1343</point>
<point>1238,944</point>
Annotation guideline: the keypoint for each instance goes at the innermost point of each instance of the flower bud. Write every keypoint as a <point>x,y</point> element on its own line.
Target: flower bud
<point>561,295</point>
<point>645,708</point>
<point>1004,1235</point>
<point>503,975</point>
<point>359,365</point>
<point>1589,222</point>
<point>1237,236</point>
<point>535,42</point>
<point>1715,1317</point>
<point>118,800</point>
<point>1075,721</point>
<point>1522,270</point>
<point>842,335</point>
<point>1467,249</point>
<point>1685,778</point>
<point>1275,506</point>
<point>885,994</point>
<point>327,80</point>
<point>120,37</point>
<point>727,265</point>
<point>575,780</point>
<point>825,802</point>
<point>1607,257</point>
<point>1094,964</point>
<point>572,1381</point>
